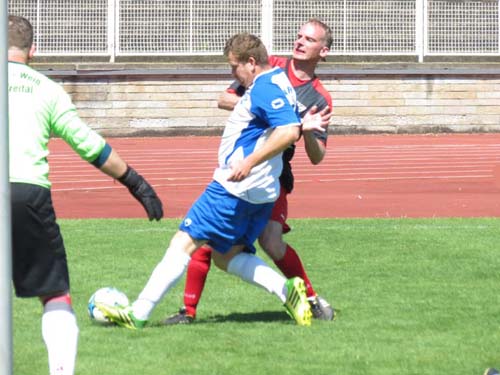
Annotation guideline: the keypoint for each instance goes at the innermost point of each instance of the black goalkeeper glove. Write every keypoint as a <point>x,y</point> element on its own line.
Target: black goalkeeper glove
<point>143,192</point>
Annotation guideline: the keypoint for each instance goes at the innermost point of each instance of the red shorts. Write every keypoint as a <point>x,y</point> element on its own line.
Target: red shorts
<point>280,210</point>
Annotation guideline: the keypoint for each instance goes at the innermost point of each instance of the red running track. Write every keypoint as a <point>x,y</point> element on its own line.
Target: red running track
<point>361,176</point>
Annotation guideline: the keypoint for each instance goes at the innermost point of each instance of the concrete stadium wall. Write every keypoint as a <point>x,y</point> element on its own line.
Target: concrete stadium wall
<point>367,99</point>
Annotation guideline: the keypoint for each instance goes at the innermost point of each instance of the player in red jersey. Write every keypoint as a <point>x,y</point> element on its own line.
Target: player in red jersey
<point>311,46</point>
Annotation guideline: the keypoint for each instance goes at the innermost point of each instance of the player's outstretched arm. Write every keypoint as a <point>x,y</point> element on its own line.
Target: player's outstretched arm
<point>116,167</point>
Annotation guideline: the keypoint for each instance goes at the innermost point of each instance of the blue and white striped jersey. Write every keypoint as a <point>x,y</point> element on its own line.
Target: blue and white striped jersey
<point>268,103</point>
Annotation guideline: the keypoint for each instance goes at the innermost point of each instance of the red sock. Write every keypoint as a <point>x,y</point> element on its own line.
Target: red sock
<point>64,298</point>
<point>197,271</point>
<point>291,266</point>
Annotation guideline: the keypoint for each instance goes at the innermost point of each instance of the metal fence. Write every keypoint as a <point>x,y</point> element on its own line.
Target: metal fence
<point>200,27</point>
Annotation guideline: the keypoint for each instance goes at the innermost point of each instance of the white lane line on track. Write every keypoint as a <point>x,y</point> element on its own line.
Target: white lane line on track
<point>308,172</point>
<point>381,163</point>
<point>332,148</point>
<point>61,169</point>
<point>408,173</point>
<point>488,176</point>
<point>197,177</point>
<point>304,168</point>
<point>56,189</point>
<point>398,156</point>
<point>476,146</point>
<point>298,158</point>
<point>329,161</point>
<point>210,156</point>
<point>301,180</point>
<point>83,178</point>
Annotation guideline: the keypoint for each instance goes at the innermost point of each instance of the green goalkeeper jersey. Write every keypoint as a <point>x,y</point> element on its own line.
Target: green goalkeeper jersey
<point>38,109</point>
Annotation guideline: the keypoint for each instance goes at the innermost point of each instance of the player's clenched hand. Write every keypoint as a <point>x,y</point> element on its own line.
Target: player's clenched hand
<point>143,192</point>
<point>318,121</point>
<point>239,170</point>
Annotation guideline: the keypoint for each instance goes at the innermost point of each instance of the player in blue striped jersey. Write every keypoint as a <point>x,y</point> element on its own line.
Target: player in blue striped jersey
<point>312,45</point>
<point>236,205</point>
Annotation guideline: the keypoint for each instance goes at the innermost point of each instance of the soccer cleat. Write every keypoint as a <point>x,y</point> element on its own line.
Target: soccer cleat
<point>491,371</point>
<point>296,303</point>
<point>182,317</point>
<point>122,316</point>
<point>321,309</point>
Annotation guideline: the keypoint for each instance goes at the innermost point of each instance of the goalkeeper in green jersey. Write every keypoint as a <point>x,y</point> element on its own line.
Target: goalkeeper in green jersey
<point>38,108</point>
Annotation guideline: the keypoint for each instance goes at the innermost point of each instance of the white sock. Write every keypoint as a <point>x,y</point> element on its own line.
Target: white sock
<point>254,270</point>
<point>60,334</point>
<point>165,275</point>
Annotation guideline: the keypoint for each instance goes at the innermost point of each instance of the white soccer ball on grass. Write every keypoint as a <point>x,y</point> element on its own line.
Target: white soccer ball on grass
<point>109,296</point>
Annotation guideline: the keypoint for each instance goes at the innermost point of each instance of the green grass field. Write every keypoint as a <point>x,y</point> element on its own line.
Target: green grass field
<point>416,296</point>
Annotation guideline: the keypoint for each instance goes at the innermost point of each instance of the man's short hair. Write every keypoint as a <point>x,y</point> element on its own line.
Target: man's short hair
<point>328,38</point>
<point>20,33</point>
<point>245,45</point>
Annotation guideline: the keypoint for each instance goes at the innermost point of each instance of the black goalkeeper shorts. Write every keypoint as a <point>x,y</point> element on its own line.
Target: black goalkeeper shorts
<point>39,266</point>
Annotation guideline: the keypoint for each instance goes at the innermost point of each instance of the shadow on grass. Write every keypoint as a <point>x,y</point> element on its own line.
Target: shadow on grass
<point>264,316</point>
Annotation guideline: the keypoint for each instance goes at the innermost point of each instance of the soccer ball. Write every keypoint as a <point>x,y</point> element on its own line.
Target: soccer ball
<point>109,296</point>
